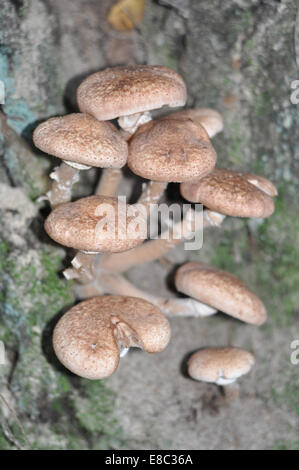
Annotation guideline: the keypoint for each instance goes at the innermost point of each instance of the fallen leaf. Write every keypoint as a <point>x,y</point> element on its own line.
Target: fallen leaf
<point>126,14</point>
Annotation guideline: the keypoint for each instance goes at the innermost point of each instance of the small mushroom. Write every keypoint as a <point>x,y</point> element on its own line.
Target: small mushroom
<point>90,338</point>
<point>222,366</point>
<point>221,290</point>
<point>208,118</point>
<point>233,193</point>
<point>167,151</point>
<point>95,224</point>
<point>130,92</point>
<point>81,142</point>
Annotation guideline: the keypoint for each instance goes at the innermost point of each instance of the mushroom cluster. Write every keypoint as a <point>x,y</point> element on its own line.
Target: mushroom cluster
<point>175,148</point>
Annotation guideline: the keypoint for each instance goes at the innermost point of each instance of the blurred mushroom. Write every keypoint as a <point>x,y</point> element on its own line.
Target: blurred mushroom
<point>170,151</point>
<point>233,193</point>
<point>222,366</point>
<point>220,290</point>
<point>125,15</point>
<point>129,93</point>
<point>81,142</point>
<point>93,224</point>
<point>208,118</point>
<point>90,337</point>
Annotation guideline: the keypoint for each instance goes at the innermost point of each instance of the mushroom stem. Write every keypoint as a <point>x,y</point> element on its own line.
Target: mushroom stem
<point>231,392</point>
<point>63,178</point>
<point>109,283</point>
<point>123,352</point>
<point>153,249</point>
<point>83,267</point>
<point>109,182</point>
<point>145,253</point>
<point>116,284</point>
<point>131,123</point>
<point>214,218</point>
<point>185,307</point>
<point>152,193</point>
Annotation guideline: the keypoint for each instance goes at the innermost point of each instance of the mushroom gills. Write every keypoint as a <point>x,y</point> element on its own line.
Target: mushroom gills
<point>124,335</point>
<point>131,122</point>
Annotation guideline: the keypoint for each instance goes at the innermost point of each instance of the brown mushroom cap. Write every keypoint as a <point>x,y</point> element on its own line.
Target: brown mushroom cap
<point>220,365</point>
<point>80,225</point>
<point>121,91</point>
<point>87,339</point>
<point>220,290</point>
<point>82,139</point>
<point>233,193</point>
<point>208,118</point>
<point>171,151</point>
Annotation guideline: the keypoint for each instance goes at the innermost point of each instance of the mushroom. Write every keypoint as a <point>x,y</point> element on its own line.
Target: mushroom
<point>220,290</point>
<point>91,336</point>
<point>222,366</point>
<point>233,193</point>
<point>170,151</point>
<point>130,92</point>
<point>95,224</point>
<point>81,142</point>
<point>208,118</point>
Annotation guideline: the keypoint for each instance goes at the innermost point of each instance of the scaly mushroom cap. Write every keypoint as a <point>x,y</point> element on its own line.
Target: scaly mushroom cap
<point>208,118</point>
<point>233,193</point>
<point>220,365</point>
<point>95,224</point>
<point>89,337</point>
<point>80,138</point>
<point>220,290</point>
<point>171,150</point>
<point>121,91</point>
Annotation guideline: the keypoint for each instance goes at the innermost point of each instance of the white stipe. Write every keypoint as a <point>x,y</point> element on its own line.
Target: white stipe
<point>123,352</point>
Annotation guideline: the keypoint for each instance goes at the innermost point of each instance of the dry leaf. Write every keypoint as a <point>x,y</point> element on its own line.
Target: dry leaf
<point>126,14</point>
